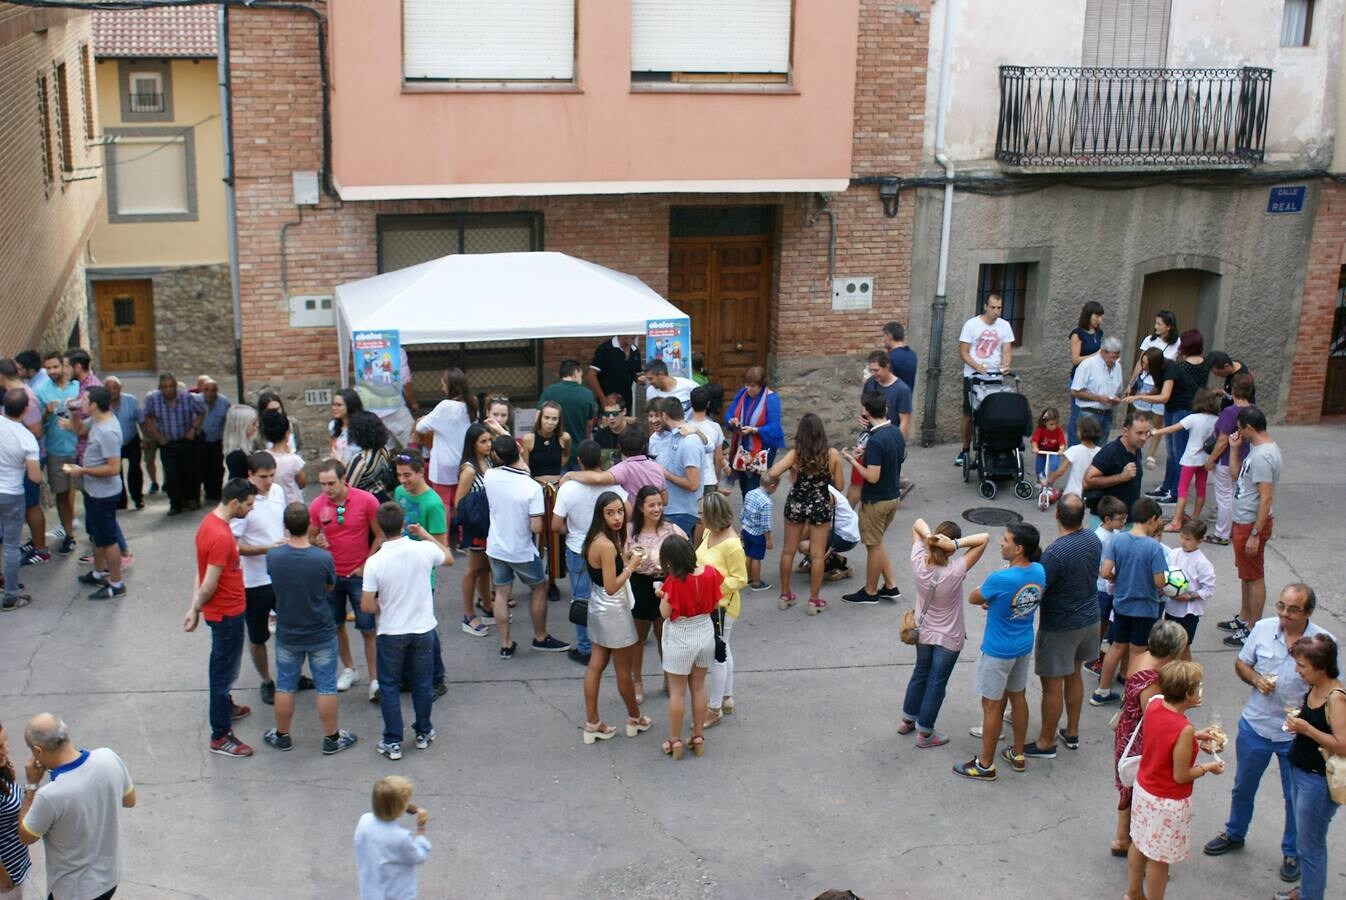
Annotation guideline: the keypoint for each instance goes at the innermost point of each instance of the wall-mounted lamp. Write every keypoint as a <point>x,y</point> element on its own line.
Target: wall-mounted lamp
<point>888,194</point>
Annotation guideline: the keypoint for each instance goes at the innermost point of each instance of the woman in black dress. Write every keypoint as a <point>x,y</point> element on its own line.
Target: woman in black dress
<point>544,451</point>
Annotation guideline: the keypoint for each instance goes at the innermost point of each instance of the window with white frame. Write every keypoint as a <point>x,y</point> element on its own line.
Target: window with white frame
<point>147,92</point>
<point>151,175</point>
<point>1296,23</point>
<point>710,40</point>
<point>488,40</point>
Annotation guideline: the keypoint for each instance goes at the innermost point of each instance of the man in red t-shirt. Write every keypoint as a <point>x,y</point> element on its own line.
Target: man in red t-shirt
<point>342,520</point>
<point>219,599</point>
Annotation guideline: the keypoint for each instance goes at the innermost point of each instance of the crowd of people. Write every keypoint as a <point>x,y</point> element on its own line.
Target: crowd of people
<point>637,513</point>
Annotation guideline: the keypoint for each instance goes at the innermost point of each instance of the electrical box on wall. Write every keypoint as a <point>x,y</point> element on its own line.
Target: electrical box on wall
<point>305,188</point>
<point>852,293</point>
<point>312,311</point>
<point>318,397</point>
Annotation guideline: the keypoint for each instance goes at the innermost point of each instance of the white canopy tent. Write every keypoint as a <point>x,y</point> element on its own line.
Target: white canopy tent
<point>497,297</point>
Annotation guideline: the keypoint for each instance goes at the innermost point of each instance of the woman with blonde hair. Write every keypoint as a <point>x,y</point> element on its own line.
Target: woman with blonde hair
<point>939,571</point>
<point>722,550</point>
<point>386,854</point>
<point>240,439</point>
<point>1161,806</point>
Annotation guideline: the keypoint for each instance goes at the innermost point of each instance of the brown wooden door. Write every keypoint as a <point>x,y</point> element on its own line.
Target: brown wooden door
<point>1175,290</point>
<point>125,311</point>
<point>724,285</point>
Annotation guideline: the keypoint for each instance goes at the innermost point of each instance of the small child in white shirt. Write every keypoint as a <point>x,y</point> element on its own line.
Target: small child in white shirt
<point>1188,607</point>
<point>1112,513</point>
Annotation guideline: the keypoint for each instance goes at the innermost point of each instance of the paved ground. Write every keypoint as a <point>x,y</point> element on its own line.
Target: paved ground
<point>806,787</point>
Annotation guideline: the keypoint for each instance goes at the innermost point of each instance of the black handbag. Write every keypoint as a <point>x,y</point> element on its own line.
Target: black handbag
<point>1208,445</point>
<point>721,648</point>
<point>579,613</point>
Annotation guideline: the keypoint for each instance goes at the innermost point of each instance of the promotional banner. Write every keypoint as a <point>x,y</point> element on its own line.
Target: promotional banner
<point>378,377</point>
<point>671,341</point>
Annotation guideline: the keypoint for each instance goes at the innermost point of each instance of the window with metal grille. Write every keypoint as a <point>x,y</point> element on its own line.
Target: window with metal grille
<point>506,368</point>
<point>64,128</point>
<point>44,119</point>
<point>86,84</point>
<point>1012,282</point>
<point>123,312</point>
<point>1296,23</point>
<point>1126,33</point>
<point>147,92</point>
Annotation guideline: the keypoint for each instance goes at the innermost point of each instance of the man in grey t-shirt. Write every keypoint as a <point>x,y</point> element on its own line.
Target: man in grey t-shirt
<point>102,485</point>
<point>77,814</point>
<point>1257,459</point>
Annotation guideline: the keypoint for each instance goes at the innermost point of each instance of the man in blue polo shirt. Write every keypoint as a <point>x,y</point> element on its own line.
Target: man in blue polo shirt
<point>681,460</point>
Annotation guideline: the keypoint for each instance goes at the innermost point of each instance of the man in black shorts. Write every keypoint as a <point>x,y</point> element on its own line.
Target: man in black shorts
<point>1116,469</point>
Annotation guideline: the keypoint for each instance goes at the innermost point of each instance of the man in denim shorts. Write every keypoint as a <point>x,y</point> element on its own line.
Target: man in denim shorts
<point>302,578</point>
<point>517,508</point>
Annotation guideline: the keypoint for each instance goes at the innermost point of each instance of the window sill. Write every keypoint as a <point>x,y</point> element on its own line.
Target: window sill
<point>728,87</point>
<point>488,87</point>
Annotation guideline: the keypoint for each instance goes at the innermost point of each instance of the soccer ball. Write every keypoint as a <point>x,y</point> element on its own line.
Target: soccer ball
<point>1175,582</point>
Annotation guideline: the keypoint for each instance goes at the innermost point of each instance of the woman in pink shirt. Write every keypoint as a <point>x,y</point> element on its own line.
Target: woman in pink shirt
<point>938,571</point>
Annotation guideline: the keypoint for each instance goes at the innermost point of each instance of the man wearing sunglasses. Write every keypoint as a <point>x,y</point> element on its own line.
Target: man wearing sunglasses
<point>612,421</point>
<point>1265,663</point>
<point>343,521</point>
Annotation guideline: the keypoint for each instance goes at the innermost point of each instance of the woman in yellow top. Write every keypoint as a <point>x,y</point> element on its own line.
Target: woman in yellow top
<point>721,550</point>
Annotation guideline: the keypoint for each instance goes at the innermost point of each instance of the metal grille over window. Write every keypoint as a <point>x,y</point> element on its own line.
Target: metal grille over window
<point>123,312</point>
<point>496,368</point>
<point>1010,281</point>
<point>44,118</point>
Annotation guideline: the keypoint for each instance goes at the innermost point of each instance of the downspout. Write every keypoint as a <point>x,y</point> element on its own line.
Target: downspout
<point>230,211</point>
<point>940,303</point>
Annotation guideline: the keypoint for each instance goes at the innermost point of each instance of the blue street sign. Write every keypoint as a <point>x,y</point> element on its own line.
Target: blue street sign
<point>1286,199</point>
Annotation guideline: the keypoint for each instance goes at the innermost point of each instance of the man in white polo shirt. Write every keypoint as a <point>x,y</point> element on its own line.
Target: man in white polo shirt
<point>517,508</point>
<point>1097,385</point>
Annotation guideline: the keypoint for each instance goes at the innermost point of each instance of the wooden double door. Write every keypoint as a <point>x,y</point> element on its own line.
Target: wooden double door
<point>125,312</point>
<point>724,285</point>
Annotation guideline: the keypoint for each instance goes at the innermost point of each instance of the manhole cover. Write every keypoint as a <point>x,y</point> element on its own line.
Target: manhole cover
<point>992,515</point>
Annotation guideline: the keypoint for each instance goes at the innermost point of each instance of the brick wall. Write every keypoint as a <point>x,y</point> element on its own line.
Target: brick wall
<point>43,226</point>
<point>276,120</point>
<point>1327,254</point>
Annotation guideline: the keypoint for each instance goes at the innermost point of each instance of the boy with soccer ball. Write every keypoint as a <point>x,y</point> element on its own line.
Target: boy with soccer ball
<point>1185,597</point>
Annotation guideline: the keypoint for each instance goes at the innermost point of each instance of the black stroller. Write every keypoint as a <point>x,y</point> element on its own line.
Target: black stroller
<point>1001,419</point>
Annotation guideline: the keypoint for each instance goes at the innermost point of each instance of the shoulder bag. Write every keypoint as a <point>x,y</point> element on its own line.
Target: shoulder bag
<point>910,628</point>
<point>1127,765</point>
<point>1335,762</point>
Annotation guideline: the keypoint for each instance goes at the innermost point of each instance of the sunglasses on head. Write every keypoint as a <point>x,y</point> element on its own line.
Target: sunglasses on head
<point>404,458</point>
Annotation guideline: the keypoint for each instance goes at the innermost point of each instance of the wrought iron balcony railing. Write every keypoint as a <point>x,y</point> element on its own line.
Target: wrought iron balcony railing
<point>1111,118</point>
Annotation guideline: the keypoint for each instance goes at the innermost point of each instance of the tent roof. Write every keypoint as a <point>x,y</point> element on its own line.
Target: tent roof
<point>501,296</point>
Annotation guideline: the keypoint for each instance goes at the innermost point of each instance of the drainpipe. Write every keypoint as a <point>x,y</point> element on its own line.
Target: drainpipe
<point>230,212</point>
<point>940,303</point>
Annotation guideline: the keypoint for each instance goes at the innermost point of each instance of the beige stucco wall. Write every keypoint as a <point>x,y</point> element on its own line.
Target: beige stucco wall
<point>1202,34</point>
<point>196,105</point>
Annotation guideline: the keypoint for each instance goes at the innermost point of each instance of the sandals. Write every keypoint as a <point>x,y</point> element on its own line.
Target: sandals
<point>816,605</point>
<point>804,565</point>
<point>1219,541</point>
<point>713,718</point>
<point>698,745</point>
<point>672,748</point>
<point>597,731</point>
<point>1174,526</point>
<point>838,575</point>
<point>787,600</point>
<point>636,726</point>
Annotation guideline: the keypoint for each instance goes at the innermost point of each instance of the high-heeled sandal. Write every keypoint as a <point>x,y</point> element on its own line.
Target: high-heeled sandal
<point>727,705</point>
<point>597,731</point>
<point>816,605</point>
<point>713,718</point>
<point>636,726</point>
<point>787,600</point>
<point>698,745</point>
<point>640,690</point>
<point>672,748</point>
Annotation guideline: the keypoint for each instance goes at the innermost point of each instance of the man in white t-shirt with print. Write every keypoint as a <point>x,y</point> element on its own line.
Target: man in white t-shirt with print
<point>398,588</point>
<point>985,345</point>
<point>658,383</point>
<point>516,504</point>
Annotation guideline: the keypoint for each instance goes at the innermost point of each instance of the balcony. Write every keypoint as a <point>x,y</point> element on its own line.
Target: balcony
<point>1095,118</point>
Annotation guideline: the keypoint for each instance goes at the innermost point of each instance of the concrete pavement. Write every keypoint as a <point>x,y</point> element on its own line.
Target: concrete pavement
<point>806,787</point>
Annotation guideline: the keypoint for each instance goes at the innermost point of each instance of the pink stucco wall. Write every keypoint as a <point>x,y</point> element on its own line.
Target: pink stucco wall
<point>385,135</point>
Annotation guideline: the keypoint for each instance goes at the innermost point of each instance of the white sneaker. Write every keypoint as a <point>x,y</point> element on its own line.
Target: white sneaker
<point>976,732</point>
<point>346,679</point>
<point>374,691</point>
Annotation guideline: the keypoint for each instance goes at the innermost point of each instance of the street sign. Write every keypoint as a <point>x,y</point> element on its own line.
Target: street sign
<point>1286,199</point>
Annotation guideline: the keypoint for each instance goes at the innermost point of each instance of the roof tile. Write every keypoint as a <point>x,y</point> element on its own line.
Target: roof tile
<point>181,31</point>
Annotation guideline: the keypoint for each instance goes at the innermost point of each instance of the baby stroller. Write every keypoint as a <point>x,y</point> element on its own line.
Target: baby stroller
<point>1001,419</point>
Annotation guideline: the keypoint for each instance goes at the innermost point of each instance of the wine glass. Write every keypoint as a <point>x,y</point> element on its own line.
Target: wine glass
<point>1292,711</point>
<point>1216,729</point>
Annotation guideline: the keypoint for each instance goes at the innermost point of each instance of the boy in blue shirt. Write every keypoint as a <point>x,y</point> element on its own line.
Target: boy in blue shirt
<point>1135,562</point>
<point>1010,597</point>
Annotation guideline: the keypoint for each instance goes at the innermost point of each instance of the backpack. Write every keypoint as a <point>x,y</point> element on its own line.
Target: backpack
<point>473,518</point>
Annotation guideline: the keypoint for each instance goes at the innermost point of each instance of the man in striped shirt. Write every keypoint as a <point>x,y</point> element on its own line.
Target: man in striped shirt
<point>173,420</point>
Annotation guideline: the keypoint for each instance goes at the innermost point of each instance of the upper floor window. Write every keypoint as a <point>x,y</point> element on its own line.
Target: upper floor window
<point>64,128</point>
<point>1014,283</point>
<point>146,88</point>
<point>699,41</point>
<point>1126,33</point>
<point>488,40</point>
<point>1296,23</point>
<point>87,88</point>
<point>150,175</point>
<point>44,121</point>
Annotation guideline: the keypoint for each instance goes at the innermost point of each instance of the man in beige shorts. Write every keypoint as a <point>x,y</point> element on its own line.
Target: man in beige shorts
<point>881,473</point>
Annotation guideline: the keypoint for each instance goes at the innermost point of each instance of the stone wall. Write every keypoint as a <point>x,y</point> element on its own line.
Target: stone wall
<point>69,314</point>
<point>194,323</point>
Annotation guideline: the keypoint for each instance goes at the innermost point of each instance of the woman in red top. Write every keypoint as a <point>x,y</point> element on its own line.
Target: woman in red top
<point>687,595</point>
<point>1161,803</point>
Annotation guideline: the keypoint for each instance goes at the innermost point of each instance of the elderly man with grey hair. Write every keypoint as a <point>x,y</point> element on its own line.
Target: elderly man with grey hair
<point>77,814</point>
<point>1097,385</point>
<point>126,407</point>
